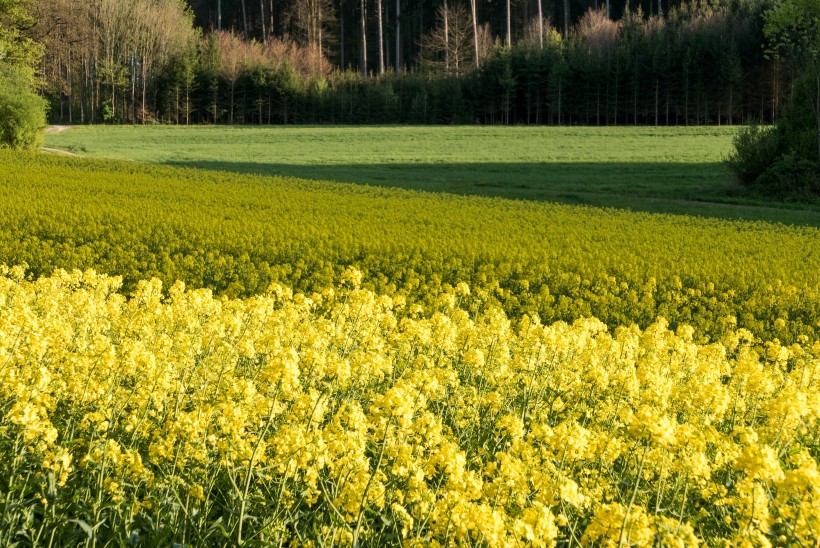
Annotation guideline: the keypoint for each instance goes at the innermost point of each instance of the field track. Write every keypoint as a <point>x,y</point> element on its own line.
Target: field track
<point>51,130</point>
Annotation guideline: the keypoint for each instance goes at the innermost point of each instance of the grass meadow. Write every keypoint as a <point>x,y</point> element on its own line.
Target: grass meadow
<point>669,170</point>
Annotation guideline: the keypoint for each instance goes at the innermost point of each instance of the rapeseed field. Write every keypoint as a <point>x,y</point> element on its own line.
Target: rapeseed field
<point>199,358</point>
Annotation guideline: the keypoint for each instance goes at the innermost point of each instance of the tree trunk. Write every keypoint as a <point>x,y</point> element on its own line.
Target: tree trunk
<point>559,100</point>
<point>566,18</point>
<point>364,38</point>
<point>219,15</point>
<point>475,32</point>
<point>244,19</point>
<point>509,26</point>
<point>817,111</point>
<point>133,108</point>
<point>657,99</point>
<point>541,23</point>
<point>398,35</point>
<point>262,20</point>
<point>70,90</point>
<point>381,36</point>
<point>216,103</point>
<point>342,57</point>
<point>446,38</point>
<point>635,97</point>
<point>617,83</point>
<point>144,89</point>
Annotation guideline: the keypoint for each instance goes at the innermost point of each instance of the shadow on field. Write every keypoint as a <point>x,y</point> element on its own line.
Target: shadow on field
<point>693,189</point>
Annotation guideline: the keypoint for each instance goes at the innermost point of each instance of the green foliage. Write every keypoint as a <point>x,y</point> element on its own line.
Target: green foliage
<point>238,234</point>
<point>791,175</point>
<point>786,159</point>
<point>798,123</point>
<point>793,30</point>
<point>755,149</point>
<point>22,112</point>
<point>16,49</point>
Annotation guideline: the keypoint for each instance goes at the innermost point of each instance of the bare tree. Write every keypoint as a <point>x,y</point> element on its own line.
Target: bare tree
<point>308,18</point>
<point>598,34</point>
<point>231,60</point>
<point>115,20</point>
<point>65,29</point>
<point>447,45</point>
<point>536,33</point>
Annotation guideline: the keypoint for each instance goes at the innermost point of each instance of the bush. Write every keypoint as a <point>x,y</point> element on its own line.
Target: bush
<point>756,149</point>
<point>791,175</point>
<point>781,160</point>
<point>22,112</point>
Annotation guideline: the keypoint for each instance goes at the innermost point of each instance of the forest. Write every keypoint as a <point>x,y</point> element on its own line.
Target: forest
<point>424,62</point>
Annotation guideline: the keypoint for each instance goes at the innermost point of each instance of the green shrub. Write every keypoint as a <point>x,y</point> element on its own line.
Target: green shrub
<point>22,112</point>
<point>791,175</point>
<point>781,160</point>
<point>756,148</point>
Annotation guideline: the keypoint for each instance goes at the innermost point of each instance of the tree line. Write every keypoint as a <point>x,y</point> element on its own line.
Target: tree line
<point>143,61</point>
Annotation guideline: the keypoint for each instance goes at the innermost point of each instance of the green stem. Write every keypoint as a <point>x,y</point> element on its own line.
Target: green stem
<point>621,538</point>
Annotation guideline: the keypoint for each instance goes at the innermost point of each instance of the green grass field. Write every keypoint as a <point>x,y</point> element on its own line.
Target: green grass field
<point>671,170</point>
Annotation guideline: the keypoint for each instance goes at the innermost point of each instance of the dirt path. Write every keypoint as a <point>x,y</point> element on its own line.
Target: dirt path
<point>51,130</point>
<point>56,129</point>
<point>58,151</point>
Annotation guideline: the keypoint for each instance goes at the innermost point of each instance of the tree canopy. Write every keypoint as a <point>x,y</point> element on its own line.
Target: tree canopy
<point>22,111</point>
<point>793,29</point>
<point>786,158</point>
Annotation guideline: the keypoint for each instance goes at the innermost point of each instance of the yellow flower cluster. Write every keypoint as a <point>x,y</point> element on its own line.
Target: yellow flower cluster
<point>351,417</point>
